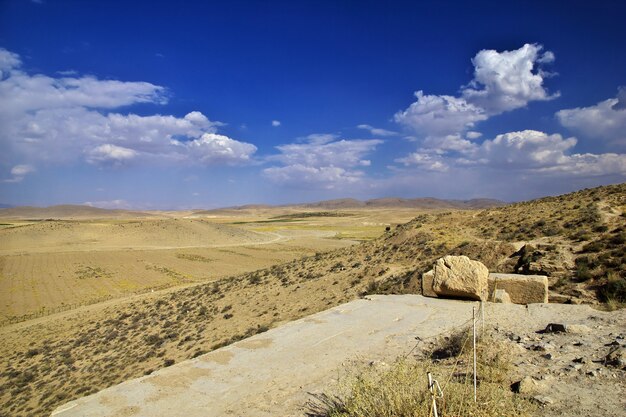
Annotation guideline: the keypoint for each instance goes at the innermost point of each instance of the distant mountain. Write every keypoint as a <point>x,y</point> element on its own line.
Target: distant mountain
<point>66,212</point>
<point>340,203</point>
<point>2,206</point>
<point>351,203</point>
<point>422,203</point>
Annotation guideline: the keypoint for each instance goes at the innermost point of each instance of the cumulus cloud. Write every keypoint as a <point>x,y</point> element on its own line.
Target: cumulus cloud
<point>328,177</point>
<point>212,148</point>
<point>8,62</point>
<point>508,80</point>
<point>433,115</point>
<point>503,81</point>
<point>110,153</point>
<point>321,161</point>
<point>58,120</point>
<point>606,121</point>
<point>275,123</point>
<point>527,149</point>
<point>425,161</point>
<point>530,153</point>
<point>18,172</point>
<point>539,153</point>
<point>377,131</point>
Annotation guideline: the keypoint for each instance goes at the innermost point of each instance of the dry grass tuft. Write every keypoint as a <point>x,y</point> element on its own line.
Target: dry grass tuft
<point>401,390</point>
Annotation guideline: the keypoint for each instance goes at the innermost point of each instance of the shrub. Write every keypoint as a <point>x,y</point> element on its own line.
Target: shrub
<point>614,291</point>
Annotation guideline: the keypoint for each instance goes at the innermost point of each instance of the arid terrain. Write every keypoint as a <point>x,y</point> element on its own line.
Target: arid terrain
<point>88,302</point>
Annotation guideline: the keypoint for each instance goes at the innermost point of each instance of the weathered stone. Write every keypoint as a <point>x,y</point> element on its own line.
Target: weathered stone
<point>528,385</point>
<point>522,289</point>
<point>459,276</point>
<point>577,328</point>
<point>427,284</point>
<point>501,296</point>
<point>543,400</point>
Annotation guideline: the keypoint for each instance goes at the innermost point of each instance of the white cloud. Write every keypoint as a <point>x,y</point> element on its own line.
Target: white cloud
<point>530,154</point>
<point>433,115</point>
<point>8,62</point>
<point>110,153</point>
<point>22,170</point>
<point>343,153</point>
<point>275,123</point>
<point>322,161</point>
<point>605,121</point>
<point>320,138</point>
<point>110,204</point>
<point>212,148</point>
<point>328,177</point>
<point>527,149</point>
<point>58,120</point>
<point>443,144</point>
<point>504,81</point>
<point>376,131</point>
<point>424,161</point>
<point>18,172</point>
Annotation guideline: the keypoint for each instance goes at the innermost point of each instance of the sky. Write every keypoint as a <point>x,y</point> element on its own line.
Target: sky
<point>204,104</point>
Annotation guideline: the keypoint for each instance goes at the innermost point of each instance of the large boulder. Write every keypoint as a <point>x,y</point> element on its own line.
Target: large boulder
<point>460,277</point>
<point>522,289</point>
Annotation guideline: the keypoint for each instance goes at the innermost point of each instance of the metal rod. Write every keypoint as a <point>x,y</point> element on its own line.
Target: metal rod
<point>474,345</point>
<point>431,388</point>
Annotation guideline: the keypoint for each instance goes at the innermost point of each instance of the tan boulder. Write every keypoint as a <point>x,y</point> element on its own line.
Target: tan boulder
<point>459,276</point>
<point>427,284</point>
<point>522,289</point>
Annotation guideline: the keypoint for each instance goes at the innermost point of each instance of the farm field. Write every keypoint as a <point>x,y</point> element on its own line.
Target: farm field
<point>49,266</point>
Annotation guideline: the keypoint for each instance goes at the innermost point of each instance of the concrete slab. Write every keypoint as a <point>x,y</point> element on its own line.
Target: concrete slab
<point>271,373</point>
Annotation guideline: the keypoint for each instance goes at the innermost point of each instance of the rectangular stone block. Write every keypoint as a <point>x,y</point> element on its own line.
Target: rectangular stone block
<point>522,289</point>
<point>427,284</point>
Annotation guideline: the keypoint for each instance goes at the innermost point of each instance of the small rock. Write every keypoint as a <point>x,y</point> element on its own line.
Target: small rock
<point>553,328</point>
<point>579,360</point>
<point>543,400</point>
<point>513,337</point>
<point>544,347</point>
<point>548,356</point>
<point>577,329</point>
<point>528,385</point>
<point>592,373</point>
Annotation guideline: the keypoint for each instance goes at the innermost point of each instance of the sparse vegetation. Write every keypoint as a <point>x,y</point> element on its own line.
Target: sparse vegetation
<point>400,389</point>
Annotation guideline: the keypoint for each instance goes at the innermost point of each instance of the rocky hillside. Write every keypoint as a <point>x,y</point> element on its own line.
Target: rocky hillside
<point>577,239</point>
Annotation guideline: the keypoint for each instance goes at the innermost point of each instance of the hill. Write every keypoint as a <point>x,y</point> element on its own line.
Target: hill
<point>577,239</point>
<point>351,203</point>
<point>159,233</point>
<point>67,211</point>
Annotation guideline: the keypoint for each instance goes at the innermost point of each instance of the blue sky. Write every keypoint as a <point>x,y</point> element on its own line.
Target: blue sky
<point>208,104</point>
